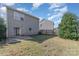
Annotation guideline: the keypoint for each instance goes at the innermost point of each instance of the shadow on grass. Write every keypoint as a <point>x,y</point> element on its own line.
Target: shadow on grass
<point>14,42</point>
<point>40,38</point>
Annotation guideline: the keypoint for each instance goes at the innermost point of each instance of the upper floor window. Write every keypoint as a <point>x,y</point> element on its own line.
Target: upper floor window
<point>30,29</point>
<point>18,16</point>
<point>22,18</point>
<point>40,25</point>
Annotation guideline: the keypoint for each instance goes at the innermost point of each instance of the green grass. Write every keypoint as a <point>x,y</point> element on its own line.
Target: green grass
<point>41,38</point>
<point>52,46</point>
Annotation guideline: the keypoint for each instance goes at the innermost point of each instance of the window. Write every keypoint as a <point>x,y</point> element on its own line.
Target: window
<point>22,18</point>
<point>30,29</point>
<point>40,25</point>
<point>18,16</point>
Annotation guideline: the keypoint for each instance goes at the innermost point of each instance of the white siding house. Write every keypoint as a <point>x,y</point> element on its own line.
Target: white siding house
<point>46,27</point>
<point>21,23</point>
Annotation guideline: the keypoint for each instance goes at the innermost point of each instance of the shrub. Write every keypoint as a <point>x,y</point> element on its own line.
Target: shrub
<point>40,33</point>
<point>68,28</point>
<point>2,30</point>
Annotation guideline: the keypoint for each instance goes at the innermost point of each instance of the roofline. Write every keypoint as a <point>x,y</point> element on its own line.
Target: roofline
<point>21,12</point>
<point>45,20</point>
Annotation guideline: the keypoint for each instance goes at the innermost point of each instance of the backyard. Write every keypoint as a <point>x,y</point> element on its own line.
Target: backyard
<point>42,45</point>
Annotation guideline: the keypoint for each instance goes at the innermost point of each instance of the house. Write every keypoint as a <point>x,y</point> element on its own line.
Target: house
<point>20,23</point>
<point>56,31</point>
<point>46,27</point>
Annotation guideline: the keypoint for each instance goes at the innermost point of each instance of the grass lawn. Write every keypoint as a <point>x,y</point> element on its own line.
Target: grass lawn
<point>42,45</point>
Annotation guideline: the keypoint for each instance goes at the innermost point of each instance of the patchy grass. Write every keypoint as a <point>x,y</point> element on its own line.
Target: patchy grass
<point>23,48</point>
<point>58,46</point>
<point>52,46</point>
<point>41,38</point>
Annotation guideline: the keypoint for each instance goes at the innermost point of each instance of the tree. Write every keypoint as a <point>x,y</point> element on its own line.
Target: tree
<point>68,28</point>
<point>2,29</point>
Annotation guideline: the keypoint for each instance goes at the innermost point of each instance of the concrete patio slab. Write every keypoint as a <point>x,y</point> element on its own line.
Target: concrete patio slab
<point>17,39</point>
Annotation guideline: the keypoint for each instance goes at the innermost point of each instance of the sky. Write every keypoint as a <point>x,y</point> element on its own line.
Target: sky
<point>46,11</point>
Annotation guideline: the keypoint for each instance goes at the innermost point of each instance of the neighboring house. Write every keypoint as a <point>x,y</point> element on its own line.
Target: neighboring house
<point>46,27</point>
<point>21,23</point>
<point>56,31</point>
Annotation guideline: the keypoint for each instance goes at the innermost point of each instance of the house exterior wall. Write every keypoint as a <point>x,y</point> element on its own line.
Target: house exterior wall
<point>10,23</point>
<point>46,31</point>
<point>24,25</point>
<point>46,27</point>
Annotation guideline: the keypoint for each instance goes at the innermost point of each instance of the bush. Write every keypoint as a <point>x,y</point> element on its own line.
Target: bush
<point>40,33</point>
<point>2,30</point>
<point>68,27</point>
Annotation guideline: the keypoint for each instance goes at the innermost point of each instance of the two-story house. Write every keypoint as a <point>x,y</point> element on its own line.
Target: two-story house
<point>20,23</point>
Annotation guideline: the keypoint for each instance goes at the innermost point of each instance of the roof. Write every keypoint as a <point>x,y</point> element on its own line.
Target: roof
<point>42,21</point>
<point>21,12</point>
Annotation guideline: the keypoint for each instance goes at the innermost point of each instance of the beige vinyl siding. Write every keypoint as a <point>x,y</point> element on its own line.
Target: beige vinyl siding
<point>24,25</point>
